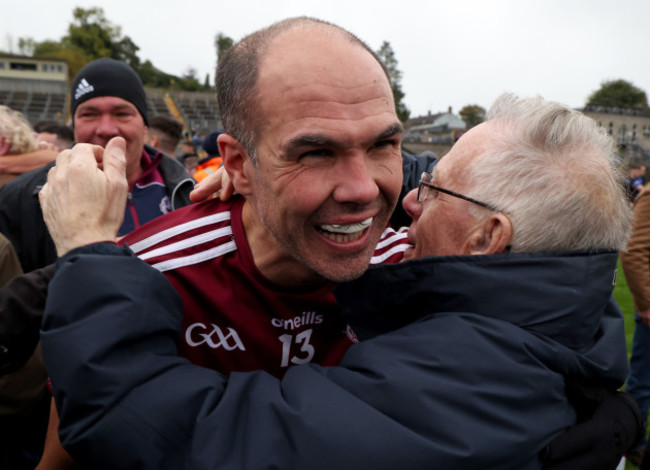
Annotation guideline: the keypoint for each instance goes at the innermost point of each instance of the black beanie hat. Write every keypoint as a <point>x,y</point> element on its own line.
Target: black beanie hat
<point>210,145</point>
<point>108,77</point>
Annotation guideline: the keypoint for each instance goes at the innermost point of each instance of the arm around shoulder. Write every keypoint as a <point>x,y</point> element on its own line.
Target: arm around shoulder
<point>22,163</point>
<point>114,330</point>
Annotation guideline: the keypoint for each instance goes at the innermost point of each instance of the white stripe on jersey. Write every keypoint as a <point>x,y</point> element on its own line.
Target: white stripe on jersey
<point>384,256</point>
<point>178,229</point>
<point>398,240</point>
<point>196,258</point>
<point>396,236</point>
<point>181,245</point>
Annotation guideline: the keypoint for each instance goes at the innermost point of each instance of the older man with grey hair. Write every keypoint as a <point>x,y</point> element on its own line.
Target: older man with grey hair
<point>466,347</point>
<point>551,176</point>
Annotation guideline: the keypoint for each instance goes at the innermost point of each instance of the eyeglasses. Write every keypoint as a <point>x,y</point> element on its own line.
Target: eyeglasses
<point>425,186</point>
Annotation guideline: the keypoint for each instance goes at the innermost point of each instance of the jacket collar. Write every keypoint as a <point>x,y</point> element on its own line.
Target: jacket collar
<point>546,293</point>
<point>150,160</point>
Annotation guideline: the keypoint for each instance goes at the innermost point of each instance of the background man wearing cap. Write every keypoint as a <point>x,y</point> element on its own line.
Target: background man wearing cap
<point>107,100</point>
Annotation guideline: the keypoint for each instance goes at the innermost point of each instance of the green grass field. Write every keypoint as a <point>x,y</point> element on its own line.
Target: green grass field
<point>624,300</point>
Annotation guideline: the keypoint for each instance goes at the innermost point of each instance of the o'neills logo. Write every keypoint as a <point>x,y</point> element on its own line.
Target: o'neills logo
<point>198,334</point>
<point>307,318</point>
<point>83,88</point>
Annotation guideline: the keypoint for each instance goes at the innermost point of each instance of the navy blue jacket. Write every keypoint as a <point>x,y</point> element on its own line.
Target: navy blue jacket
<point>462,364</point>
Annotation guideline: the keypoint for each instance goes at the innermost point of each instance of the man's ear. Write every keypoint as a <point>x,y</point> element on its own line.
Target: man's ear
<point>494,236</point>
<point>236,162</point>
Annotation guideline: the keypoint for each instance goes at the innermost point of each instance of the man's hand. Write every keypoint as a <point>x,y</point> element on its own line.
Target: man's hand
<point>598,442</point>
<point>644,315</point>
<point>81,203</point>
<point>217,184</point>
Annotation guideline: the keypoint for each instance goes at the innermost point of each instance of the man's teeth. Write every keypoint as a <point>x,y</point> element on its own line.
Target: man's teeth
<point>348,228</point>
<point>344,233</point>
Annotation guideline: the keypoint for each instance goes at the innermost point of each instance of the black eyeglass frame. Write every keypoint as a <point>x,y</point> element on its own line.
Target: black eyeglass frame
<point>427,176</point>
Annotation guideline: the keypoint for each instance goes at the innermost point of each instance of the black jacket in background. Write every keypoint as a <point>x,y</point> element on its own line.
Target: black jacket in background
<point>22,301</point>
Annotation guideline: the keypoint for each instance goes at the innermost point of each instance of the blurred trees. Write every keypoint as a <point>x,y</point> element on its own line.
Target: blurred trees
<point>472,114</point>
<point>222,43</point>
<point>387,56</point>
<point>92,36</point>
<point>91,33</point>
<point>191,80</point>
<point>618,93</point>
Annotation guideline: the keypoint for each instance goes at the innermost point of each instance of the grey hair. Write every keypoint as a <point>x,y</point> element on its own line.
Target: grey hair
<point>556,174</point>
<point>17,131</point>
<point>237,74</point>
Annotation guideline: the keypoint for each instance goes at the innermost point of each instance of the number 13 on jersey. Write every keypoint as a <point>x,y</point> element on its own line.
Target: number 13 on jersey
<point>297,349</point>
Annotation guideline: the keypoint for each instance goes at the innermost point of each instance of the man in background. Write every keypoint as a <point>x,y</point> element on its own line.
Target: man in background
<point>55,133</point>
<point>107,100</point>
<point>164,133</point>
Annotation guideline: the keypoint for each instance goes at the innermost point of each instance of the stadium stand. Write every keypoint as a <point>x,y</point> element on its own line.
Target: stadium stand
<point>156,102</point>
<point>38,88</point>
<point>198,110</point>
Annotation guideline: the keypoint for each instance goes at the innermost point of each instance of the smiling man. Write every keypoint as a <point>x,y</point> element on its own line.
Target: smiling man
<point>106,100</point>
<point>313,150</point>
<point>325,172</point>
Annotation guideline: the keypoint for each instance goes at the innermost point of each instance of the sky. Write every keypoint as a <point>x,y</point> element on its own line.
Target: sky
<point>451,53</point>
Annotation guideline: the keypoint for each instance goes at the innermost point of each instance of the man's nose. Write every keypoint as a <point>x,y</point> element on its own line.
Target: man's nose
<point>411,204</point>
<point>357,181</point>
<point>106,126</point>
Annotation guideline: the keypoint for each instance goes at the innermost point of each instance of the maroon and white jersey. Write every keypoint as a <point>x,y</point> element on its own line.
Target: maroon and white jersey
<point>234,319</point>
